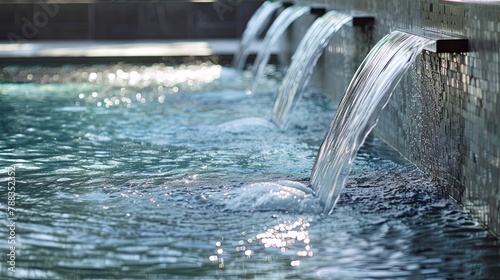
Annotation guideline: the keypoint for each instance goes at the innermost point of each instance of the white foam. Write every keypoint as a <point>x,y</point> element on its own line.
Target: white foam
<point>268,196</point>
<point>246,124</point>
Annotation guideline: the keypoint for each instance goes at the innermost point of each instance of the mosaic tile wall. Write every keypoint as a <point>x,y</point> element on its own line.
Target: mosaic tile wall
<point>445,114</point>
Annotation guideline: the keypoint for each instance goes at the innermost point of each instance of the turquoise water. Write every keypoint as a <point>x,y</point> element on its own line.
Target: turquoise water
<point>173,172</point>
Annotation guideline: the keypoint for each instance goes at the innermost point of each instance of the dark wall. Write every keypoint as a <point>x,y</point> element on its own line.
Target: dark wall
<point>125,20</point>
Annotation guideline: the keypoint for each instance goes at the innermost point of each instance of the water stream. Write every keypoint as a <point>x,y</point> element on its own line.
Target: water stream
<point>255,27</point>
<point>279,26</point>
<point>304,60</point>
<point>365,97</point>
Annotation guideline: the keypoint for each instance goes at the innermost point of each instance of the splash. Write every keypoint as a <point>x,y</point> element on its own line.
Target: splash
<point>286,196</point>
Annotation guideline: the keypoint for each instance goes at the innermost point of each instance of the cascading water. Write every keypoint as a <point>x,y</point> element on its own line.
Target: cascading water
<point>170,171</point>
<point>255,26</point>
<point>287,17</point>
<point>366,96</point>
<point>303,62</point>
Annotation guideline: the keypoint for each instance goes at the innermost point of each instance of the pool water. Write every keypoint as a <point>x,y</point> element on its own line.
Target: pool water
<point>173,172</point>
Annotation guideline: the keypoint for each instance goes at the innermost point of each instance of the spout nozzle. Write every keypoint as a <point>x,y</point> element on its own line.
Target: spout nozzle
<point>362,20</point>
<point>318,11</point>
<point>286,4</point>
<point>449,46</point>
<point>442,43</point>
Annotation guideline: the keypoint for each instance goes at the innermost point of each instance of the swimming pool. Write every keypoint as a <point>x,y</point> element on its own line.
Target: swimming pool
<point>173,172</point>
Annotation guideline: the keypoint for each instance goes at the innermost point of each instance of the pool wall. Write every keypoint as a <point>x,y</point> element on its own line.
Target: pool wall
<point>445,114</point>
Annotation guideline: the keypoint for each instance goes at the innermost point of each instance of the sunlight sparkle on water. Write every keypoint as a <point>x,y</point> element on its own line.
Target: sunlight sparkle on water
<point>284,234</point>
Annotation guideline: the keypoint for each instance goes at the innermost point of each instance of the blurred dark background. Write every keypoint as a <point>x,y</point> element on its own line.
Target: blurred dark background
<point>24,20</point>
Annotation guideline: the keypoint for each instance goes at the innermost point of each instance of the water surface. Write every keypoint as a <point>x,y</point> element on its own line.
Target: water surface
<point>173,172</point>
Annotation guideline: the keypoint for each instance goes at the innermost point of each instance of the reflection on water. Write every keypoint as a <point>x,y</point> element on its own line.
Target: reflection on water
<point>202,186</point>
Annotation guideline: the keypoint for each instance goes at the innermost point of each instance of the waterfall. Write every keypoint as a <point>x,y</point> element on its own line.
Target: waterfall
<point>358,112</point>
<point>304,60</point>
<point>254,28</point>
<point>285,18</point>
